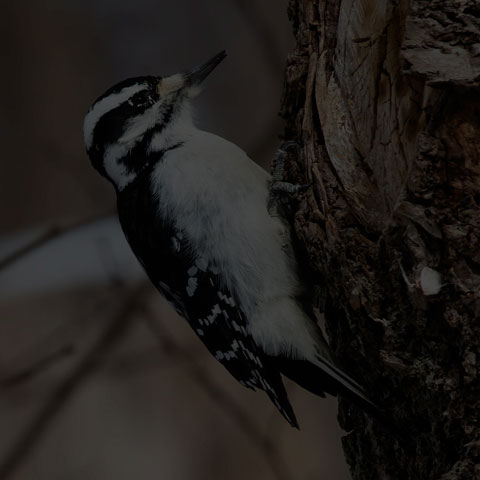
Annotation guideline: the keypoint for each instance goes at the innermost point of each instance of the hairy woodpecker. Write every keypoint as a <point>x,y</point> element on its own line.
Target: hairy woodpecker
<point>193,208</point>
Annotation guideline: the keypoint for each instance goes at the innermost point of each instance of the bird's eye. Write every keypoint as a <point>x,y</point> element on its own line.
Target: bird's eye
<point>143,99</point>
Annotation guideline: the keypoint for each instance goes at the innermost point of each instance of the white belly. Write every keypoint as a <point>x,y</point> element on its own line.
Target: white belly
<point>216,195</point>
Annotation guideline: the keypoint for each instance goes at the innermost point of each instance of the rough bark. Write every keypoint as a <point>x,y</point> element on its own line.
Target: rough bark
<point>384,98</point>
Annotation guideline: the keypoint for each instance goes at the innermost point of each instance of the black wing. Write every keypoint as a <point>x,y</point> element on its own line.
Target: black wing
<point>194,288</point>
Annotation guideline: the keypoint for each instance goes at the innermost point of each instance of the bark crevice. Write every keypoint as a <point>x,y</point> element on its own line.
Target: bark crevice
<point>384,98</point>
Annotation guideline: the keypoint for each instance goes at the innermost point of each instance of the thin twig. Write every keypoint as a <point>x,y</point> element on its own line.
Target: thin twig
<point>225,401</point>
<point>109,336</point>
<point>46,237</point>
<point>40,366</point>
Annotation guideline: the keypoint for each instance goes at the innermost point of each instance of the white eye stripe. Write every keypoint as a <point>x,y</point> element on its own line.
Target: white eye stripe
<point>104,106</point>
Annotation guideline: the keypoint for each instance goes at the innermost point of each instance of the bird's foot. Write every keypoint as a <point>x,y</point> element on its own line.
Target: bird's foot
<point>279,189</point>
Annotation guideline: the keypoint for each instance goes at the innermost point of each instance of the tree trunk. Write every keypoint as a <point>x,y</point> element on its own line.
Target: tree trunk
<point>384,98</point>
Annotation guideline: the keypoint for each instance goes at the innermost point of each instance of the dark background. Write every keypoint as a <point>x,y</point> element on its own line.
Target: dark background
<point>140,411</point>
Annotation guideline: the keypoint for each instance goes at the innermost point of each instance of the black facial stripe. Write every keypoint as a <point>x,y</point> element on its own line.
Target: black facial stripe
<point>137,156</point>
<point>169,112</point>
<point>111,126</point>
<point>144,168</point>
<point>150,80</point>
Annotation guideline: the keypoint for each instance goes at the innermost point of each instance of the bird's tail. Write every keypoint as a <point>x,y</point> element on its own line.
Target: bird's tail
<point>346,386</point>
<point>325,377</point>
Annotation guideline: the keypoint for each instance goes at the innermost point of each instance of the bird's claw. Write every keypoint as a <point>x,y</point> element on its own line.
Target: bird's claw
<point>278,187</point>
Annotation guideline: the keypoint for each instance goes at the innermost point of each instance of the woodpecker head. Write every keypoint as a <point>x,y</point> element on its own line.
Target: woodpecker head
<point>134,119</point>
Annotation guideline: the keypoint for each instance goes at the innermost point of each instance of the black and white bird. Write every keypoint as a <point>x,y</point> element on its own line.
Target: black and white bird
<point>193,208</point>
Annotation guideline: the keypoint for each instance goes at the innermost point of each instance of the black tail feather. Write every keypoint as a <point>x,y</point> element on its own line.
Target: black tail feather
<point>334,381</point>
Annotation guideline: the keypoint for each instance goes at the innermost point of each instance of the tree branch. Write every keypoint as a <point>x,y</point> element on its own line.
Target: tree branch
<point>50,234</point>
<point>40,366</point>
<point>110,335</point>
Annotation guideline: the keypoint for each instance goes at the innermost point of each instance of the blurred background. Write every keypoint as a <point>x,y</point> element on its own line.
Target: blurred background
<point>99,379</point>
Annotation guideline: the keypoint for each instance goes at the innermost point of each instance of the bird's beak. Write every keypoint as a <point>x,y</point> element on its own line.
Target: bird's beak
<point>201,72</point>
<point>189,81</point>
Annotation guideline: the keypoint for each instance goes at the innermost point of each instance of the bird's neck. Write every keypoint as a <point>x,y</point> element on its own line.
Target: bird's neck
<point>125,164</point>
<point>180,129</point>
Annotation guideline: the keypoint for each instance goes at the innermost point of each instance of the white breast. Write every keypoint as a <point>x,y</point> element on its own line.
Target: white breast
<point>218,196</point>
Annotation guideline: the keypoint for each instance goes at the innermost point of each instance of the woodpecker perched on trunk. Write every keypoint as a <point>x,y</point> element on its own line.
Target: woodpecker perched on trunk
<point>194,209</point>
